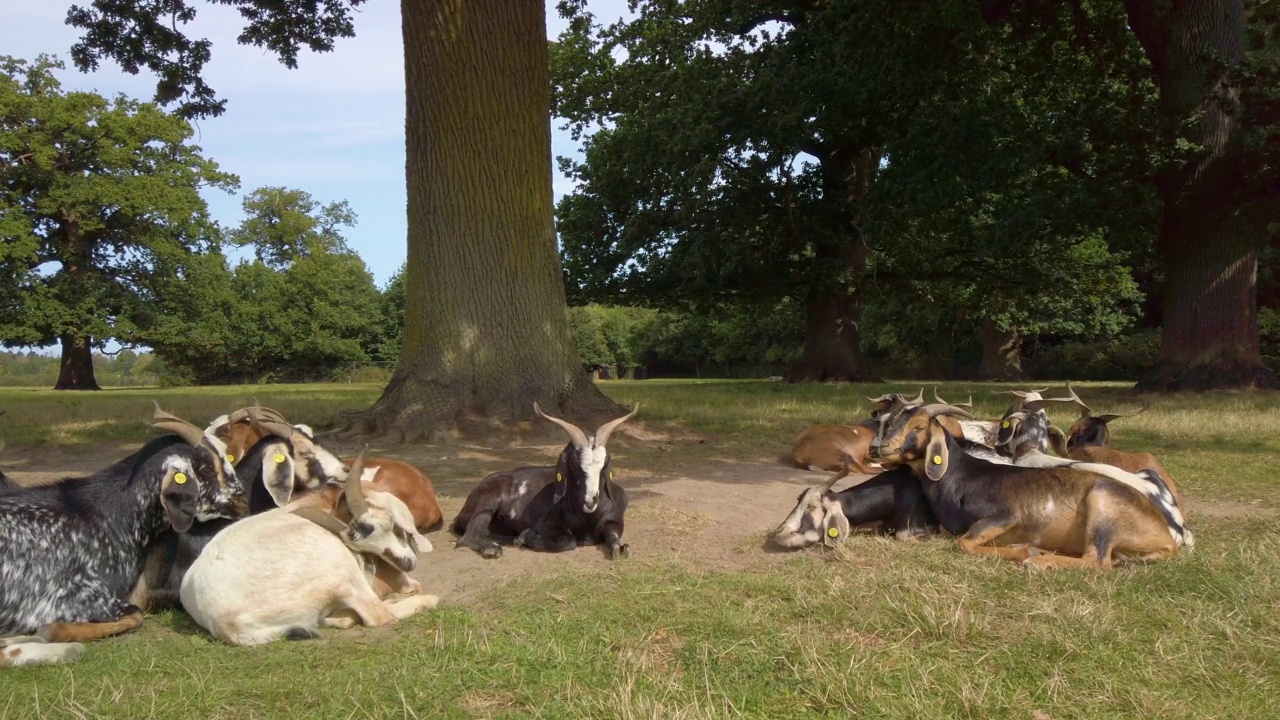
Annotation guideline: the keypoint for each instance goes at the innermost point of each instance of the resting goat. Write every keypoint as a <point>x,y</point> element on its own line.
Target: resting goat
<point>289,571</point>
<point>70,552</point>
<point>401,479</point>
<point>822,516</point>
<point>527,506</point>
<point>832,447</point>
<point>1093,515</point>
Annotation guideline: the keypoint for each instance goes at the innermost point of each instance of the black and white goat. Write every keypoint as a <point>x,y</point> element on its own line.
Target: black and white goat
<point>70,552</point>
<point>285,460</point>
<point>528,506</point>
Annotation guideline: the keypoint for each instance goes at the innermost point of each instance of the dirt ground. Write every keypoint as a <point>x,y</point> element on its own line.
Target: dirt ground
<point>709,511</point>
<point>685,505</point>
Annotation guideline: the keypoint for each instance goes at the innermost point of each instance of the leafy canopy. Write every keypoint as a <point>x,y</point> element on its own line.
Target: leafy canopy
<point>100,198</point>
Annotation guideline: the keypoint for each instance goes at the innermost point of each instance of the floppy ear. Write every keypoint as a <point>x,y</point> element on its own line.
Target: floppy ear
<point>937,458</point>
<point>562,475</point>
<point>178,496</point>
<point>835,526</point>
<point>277,472</point>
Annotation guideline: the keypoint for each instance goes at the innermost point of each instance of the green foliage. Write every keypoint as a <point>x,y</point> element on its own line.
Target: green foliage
<point>124,369</point>
<point>99,206</point>
<point>1120,358</point>
<point>308,312</point>
<point>284,226</point>
<point>392,315</point>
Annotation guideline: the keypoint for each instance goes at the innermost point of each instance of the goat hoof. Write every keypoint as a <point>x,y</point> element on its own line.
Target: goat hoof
<point>519,541</point>
<point>618,551</point>
<point>491,552</point>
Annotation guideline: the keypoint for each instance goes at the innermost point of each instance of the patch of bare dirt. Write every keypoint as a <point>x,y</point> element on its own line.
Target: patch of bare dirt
<point>1227,508</point>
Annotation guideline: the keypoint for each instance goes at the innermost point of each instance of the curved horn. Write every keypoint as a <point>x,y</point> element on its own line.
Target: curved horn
<point>940,401</point>
<point>576,435</point>
<point>602,435</point>
<point>354,493</point>
<point>883,398</point>
<point>918,400</point>
<point>176,425</point>
<point>1146,404</point>
<point>935,409</point>
<point>279,429</point>
<point>1073,397</point>
<point>844,473</point>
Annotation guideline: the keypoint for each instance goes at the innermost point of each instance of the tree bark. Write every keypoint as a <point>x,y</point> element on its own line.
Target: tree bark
<point>833,305</point>
<point>76,372</point>
<point>486,325</point>
<point>1001,353</point>
<point>1209,240</point>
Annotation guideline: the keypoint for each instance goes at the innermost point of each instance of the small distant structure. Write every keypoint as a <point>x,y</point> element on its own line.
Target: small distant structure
<point>600,371</point>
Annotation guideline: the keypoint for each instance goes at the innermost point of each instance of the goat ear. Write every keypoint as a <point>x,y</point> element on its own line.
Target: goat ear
<point>178,496</point>
<point>936,455</point>
<point>277,473</point>
<point>562,475</point>
<point>835,526</point>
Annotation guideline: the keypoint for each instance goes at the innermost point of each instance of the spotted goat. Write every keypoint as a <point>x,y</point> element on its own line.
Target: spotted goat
<point>70,552</point>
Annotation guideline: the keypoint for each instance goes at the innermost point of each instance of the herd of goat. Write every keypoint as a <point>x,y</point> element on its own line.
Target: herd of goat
<point>260,533</point>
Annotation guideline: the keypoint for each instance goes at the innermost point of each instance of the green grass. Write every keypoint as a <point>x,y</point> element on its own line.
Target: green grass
<point>877,629</point>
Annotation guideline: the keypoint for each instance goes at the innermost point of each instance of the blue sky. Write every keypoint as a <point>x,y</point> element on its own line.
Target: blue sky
<point>334,127</point>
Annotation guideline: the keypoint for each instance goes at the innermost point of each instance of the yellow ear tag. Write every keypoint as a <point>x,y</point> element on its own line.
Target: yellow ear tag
<point>180,478</point>
<point>833,532</point>
<point>937,459</point>
<point>1005,424</point>
<point>610,476</point>
<point>231,458</point>
<point>278,457</point>
<point>559,478</point>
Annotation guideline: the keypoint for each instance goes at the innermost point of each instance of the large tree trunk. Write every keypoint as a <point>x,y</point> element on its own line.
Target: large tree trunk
<point>1208,240</point>
<point>833,306</point>
<point>486,326</point>
<point>76,372</point>
<point>1001,353</point>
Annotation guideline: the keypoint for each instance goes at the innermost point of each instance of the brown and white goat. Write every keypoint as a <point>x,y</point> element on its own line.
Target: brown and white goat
<point>1083,516</point>
<point>1087,441</point>
<point>241,432</point>
<point>834,447</point>
<point>289,571</point>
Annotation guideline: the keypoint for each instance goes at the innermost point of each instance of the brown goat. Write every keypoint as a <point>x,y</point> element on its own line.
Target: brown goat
<point>406,482</point>
<point>832,447</point>
<point>1091,514</point>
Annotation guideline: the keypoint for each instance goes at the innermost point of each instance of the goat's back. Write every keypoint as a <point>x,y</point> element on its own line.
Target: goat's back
<point>830,446</point>
<point>408,483</point>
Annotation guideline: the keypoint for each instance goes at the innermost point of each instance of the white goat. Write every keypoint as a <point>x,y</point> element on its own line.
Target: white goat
<point>289,571</point>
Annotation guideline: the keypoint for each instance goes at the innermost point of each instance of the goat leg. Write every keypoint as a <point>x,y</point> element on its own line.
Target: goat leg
<point>986,530</point>
<point>534,541</point>
<point>477,536</point>
<point>61,632</point>
<point>612,533</point>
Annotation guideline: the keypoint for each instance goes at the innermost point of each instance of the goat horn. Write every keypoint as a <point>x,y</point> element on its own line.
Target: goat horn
<point>883,398</point>
<point>1146,404</point>
<point>940,401</point>
<point>602,435</point>
<point>935,409</point>
<point>355,493</point>
<point>1073,397</point>
<point>918,400</point>
<point>279,429</point>
<point>576,435</point>
<point>176,425</point>
<point>844,472</point>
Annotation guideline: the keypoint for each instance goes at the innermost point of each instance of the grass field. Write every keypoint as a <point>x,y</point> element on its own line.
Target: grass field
<point>876,629</point>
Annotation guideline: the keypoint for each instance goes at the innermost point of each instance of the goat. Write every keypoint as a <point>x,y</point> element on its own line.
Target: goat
<point>1094,515</point>
<point>821,516</point>
<point>832,447</point>
<point>71,551</point>
<point>289,571</point>
<point>525,506</point>
<point>1087,441</point>
<point>401,479</point>
<point>1091,430</point>
<point>977,431</point>
<point>1026,432</point>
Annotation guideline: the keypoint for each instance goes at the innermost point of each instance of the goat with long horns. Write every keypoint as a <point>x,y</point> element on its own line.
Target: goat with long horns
<point>552,509</point>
